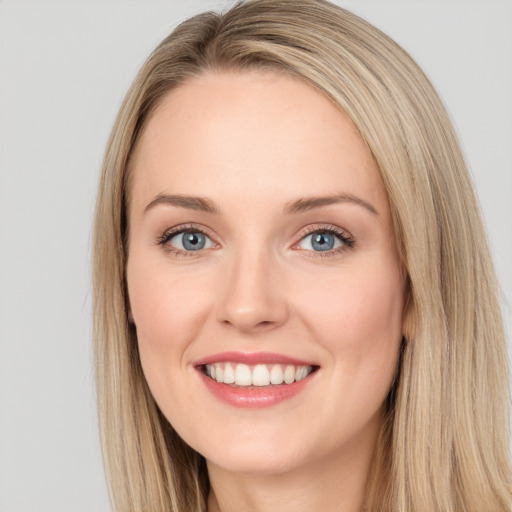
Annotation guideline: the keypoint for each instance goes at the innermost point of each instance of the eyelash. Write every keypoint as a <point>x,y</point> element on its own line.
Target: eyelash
<point>343,236</point>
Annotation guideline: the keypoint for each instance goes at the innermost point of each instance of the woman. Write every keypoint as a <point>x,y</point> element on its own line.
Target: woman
<point>295,306</point>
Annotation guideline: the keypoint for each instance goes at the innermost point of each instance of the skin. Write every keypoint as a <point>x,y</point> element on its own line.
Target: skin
<point>253,143</point>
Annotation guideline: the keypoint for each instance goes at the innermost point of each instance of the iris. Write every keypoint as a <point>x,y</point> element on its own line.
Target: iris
<point>193,241</point>
<point>322,241</point>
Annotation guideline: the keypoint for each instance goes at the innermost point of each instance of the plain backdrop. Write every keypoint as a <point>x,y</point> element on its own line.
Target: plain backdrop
<point>64,68</point>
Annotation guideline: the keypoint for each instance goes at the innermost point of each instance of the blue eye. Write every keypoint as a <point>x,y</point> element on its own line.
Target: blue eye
<point>190,241</point>
<point>324,240</point>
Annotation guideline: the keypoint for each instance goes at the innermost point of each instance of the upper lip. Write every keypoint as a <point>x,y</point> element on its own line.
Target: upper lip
<point>252,358</point>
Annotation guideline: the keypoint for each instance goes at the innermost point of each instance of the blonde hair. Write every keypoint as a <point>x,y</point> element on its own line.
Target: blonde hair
<point>444,446</point>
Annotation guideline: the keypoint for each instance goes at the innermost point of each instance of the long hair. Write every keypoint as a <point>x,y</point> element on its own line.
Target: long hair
<point>444,444</point>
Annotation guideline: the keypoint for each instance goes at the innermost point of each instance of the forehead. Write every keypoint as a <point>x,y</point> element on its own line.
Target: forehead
<point>253,133</point>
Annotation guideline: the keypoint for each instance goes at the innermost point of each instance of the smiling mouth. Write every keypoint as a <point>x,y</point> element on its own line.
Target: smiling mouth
<point>259,375</point>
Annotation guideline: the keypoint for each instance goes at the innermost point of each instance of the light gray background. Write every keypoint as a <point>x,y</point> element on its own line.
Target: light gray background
<point>64,67</point>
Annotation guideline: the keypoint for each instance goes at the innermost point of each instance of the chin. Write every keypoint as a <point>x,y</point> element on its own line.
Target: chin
<point>251,450</point>
<point>256,462</point>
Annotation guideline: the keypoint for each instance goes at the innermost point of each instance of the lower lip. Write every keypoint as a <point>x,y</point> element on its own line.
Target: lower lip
<point>253,397</point>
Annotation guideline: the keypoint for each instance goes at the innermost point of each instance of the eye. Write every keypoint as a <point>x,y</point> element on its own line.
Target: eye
<point>190,240</point>
<point>326,241</point>
<point>320,241</point>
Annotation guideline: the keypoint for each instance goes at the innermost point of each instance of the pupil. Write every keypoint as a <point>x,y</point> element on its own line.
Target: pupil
<point>193,241</point>
<point>322,241</point>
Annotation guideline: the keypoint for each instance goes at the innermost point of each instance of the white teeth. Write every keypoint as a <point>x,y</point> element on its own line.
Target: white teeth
<point>243,376</point>
<point>276,374</point>
<point>301,373</point>
<point>259,375</point>
<point>229,374</point>
<point>219,373</point>
<point>289,374</point>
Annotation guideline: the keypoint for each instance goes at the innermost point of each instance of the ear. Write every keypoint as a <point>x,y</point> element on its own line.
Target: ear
<point>129,313</point>
<point>409,317</point>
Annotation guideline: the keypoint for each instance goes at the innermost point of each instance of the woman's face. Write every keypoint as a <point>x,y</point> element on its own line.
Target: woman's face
<point>261,252</point>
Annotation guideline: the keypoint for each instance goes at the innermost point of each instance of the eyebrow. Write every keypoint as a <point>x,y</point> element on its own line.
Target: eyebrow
<point>311,203</point>
<point>201,204</point>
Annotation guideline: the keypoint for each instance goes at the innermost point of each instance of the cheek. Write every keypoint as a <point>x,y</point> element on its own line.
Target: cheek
<point>357,317</point>
<point>358,321</point>
<point>167,311</point>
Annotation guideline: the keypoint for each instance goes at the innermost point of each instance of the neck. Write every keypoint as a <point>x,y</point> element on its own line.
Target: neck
<point>334,482</point>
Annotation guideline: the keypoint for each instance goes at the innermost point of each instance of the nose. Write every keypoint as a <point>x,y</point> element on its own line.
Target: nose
<point>252,298</point>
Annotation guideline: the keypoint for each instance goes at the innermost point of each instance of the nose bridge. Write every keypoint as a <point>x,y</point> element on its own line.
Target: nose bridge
<point>252,298</point>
